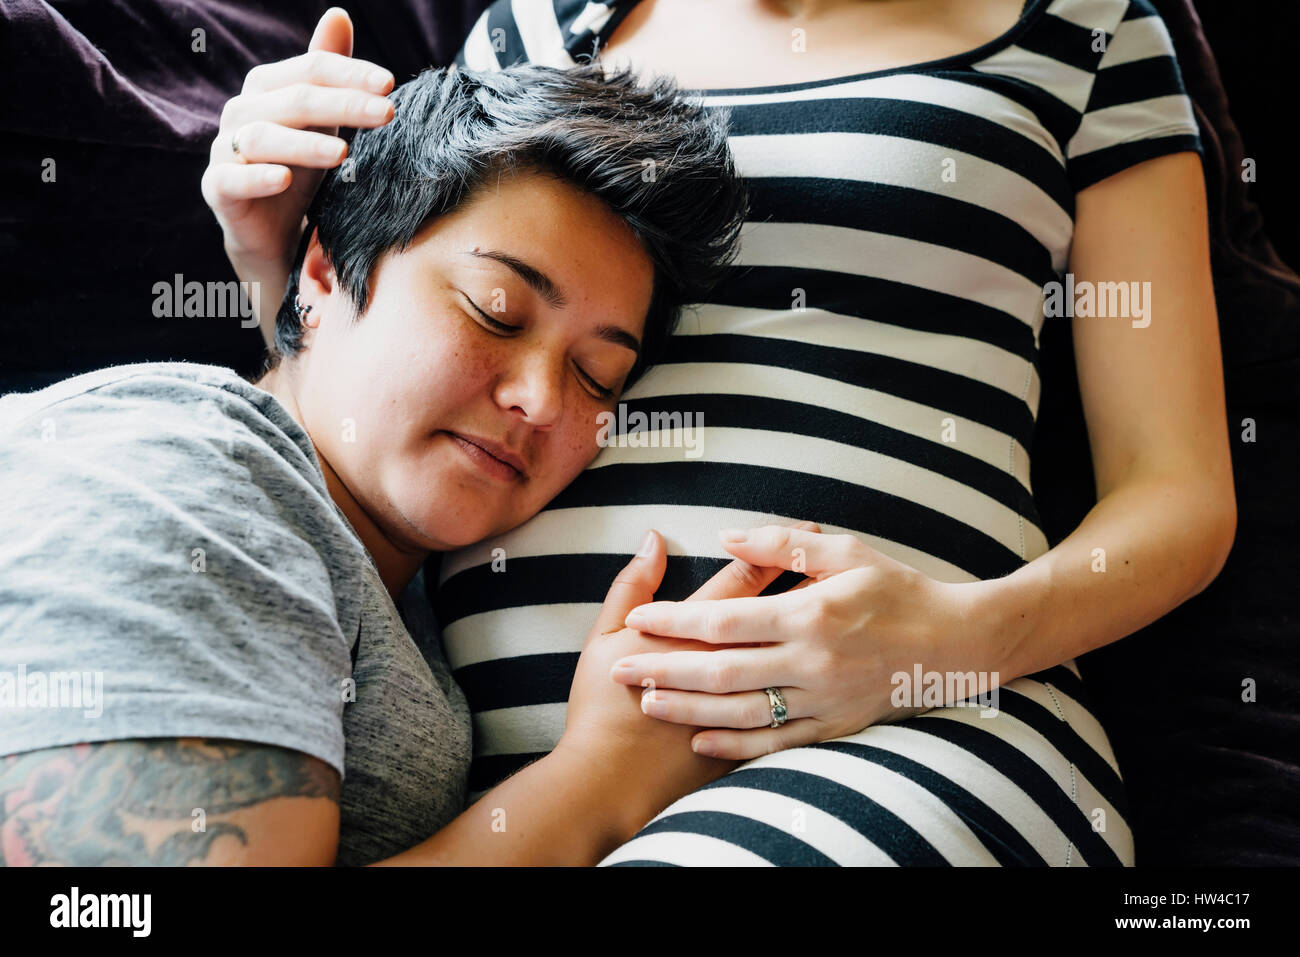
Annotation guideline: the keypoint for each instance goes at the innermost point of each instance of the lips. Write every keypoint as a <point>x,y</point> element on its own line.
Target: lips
<point>492,457</point>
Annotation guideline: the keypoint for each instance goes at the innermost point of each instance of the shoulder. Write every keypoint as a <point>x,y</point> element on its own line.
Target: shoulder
<point>1108,16</point>
<point>161,384</point>
<point>556,33</point>
<point>179,411</point>
<point>147,473</point>
<point>1103,77</point>
<point>167,525</point>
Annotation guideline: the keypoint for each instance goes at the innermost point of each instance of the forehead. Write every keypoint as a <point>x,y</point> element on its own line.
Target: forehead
<point>588,251</point>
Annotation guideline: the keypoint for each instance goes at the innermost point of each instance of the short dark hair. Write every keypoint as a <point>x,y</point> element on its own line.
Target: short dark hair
<point>654,158</point>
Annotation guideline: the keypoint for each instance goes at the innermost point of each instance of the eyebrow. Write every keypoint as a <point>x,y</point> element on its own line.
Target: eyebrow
<point>542,285</point>
<point>620,337</point>
<point>538,280</point>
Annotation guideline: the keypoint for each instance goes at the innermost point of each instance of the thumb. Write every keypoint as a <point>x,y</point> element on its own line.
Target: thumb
<point>333,33</point>
<point>635,584</point>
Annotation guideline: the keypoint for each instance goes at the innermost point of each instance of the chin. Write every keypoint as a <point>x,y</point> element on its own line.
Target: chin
<point>440,516</point>
<point>440,535</point>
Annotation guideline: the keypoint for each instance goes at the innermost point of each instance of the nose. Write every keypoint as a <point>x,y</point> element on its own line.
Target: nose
<point>533,388</point>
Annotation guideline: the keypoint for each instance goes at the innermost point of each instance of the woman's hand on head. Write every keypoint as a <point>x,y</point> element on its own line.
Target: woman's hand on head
<point>605,722</point>
<point>833,645</point>
<point>285,123</point>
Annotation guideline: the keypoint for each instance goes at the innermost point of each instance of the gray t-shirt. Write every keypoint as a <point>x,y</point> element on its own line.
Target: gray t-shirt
<point>166,535</point>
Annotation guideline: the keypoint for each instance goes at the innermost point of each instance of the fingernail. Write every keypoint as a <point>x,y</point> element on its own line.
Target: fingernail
<point>704,747</point>
<point>622,668</point>
<point>647,545</point>
<point>635,619</point>
<point>378,80</point>
<point>377,109</point>
<point>273,177</point>
<point>733,535</point>
<point>327,149</point>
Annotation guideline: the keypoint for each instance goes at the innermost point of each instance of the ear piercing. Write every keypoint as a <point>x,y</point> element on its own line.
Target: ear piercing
<point>299,309</point>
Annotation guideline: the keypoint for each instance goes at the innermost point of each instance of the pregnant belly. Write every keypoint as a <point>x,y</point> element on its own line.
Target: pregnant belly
<point>516,609</point>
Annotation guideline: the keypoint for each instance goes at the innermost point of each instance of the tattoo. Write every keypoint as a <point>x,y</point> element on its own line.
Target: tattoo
<point>134,802</point>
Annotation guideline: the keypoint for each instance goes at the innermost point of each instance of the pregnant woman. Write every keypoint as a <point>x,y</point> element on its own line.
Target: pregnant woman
<point>930,181</point>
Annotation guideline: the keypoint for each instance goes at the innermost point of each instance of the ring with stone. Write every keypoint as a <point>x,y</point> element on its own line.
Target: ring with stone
<point>777,704</point>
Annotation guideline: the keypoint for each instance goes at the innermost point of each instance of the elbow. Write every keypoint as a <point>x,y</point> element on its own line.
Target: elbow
<point>1221,535</point>
<point>1227,530</point>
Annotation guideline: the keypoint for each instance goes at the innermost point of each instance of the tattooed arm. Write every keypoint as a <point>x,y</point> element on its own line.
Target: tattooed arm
<point>167,801</point>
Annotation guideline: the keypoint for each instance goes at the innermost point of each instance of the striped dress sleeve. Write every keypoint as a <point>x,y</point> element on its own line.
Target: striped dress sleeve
<point>1138,108</point>
<point>485,47</point>
<point>557,33</point>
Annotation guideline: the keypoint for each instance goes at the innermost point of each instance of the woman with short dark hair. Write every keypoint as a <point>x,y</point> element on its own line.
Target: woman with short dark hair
<point>215,646</point>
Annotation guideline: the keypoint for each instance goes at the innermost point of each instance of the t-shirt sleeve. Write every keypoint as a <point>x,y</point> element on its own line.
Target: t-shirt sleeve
<point>494,41</point>
<point>160,576</point>
<point>1138,108</point>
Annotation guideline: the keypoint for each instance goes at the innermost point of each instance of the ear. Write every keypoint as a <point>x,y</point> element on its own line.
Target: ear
<point>317,284</point>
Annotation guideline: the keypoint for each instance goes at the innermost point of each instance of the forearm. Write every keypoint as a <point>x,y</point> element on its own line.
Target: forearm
<point>268,279</point>
<point>559,810</point>
<point>1144,548</point>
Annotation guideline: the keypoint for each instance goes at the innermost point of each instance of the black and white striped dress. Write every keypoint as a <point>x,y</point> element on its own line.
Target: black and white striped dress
<point>871,364</point>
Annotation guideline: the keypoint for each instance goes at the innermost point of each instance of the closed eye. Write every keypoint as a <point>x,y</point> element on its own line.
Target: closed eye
<point>505,328</point>
<point>600,390</point>
<point>495,324</point>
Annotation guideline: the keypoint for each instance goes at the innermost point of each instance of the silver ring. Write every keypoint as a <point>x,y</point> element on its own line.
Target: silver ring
<point>777,703</point>
<point>234,146</point>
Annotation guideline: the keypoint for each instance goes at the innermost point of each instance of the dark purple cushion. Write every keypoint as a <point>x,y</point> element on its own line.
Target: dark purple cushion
<point>115,94</point>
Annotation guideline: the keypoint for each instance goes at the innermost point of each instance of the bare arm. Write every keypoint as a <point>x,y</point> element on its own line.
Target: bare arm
<point>135,801</point>
<point>1154,403</point>
<point>285,123</point>
<point>178,802</point>
<point>167,802</point>
<point>561,810</point>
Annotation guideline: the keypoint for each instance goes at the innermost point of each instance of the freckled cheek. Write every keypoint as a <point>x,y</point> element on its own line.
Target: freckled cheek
<point>571,448</point>
<point>462,363</point>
